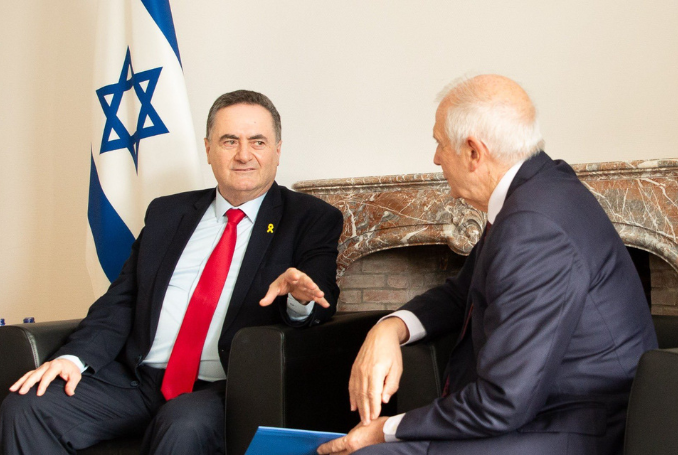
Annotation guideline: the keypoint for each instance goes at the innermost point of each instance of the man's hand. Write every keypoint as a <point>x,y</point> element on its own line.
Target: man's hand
<point>376,372</point>
<point>359,437</point>
<point>46,373</point>
<point>297,283</point>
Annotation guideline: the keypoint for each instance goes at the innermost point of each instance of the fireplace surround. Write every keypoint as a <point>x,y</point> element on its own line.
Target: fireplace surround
<point>384,214</point>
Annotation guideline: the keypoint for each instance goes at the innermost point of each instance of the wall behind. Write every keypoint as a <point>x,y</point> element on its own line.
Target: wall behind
<point>355,82</point>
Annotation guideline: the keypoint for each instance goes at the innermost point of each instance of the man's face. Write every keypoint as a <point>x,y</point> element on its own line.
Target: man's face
<point>453,165</point>
<point>243,152</point>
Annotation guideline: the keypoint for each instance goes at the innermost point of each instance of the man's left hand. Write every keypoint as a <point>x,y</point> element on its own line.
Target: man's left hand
<point>297,283</point>
<point>359,437</point>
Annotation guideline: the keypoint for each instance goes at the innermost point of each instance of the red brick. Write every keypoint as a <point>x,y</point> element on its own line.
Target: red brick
<point>416,280</point>
<point>398,281</point>
<point>664,310</point>
<point>384,296</point>
<point>351,296</point>
<point>355,267</point>
<point>385,262</point>
<point>664,279</point>
<point>363,281</point>
<point>665,297</point>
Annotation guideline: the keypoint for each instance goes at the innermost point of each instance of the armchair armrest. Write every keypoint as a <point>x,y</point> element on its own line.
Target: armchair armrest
<point>653,405</point>
<point>423,370</point>
<point>295,378</point>
<point>24,347</point>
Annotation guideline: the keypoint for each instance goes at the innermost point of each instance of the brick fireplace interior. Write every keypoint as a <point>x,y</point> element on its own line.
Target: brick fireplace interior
<point>387,279</point>
<point>404,234</point>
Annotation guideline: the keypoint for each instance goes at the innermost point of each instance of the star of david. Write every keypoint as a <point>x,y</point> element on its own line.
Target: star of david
<point>149,122</point>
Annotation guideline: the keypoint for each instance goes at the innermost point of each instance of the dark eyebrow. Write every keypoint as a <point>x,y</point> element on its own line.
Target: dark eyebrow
<point>256,137</point>
<point>228,136</point>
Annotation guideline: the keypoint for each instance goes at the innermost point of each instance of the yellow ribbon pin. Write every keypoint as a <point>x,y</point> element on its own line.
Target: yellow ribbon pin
<point>270,229</point>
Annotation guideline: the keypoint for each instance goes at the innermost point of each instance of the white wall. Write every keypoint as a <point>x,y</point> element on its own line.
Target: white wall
<point>354,80</point>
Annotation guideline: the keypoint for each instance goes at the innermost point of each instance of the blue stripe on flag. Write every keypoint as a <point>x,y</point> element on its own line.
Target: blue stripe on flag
<point>162,15</point>
<point>112,238</point>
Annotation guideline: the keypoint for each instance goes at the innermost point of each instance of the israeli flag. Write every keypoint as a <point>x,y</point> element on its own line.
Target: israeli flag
<point>143,142</point>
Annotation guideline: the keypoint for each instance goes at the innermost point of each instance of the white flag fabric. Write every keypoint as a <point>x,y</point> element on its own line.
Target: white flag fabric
<point>143,142</point>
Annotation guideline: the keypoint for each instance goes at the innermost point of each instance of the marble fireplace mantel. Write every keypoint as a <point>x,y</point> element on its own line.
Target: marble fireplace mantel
<point>640,197</point>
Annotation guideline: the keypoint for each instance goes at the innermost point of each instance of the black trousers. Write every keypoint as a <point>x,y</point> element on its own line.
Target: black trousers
<point>56,423</point>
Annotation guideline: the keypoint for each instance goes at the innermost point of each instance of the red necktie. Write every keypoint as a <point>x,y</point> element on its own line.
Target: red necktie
<point>184,362</point>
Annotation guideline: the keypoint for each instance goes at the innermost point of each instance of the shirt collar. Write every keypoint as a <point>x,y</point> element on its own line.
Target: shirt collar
<point>251,208</point>
<point>499,194</point>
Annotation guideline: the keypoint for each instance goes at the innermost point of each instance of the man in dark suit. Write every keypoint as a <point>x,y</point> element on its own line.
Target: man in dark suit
<point>550,311</point>
<point>153,351</point>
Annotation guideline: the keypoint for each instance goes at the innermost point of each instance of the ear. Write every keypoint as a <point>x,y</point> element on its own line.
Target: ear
<point>277,150</point>
<point>478,153</point>
<point>207,150</point>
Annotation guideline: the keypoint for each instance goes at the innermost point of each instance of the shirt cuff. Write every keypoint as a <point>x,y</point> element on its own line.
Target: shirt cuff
<point>297,311</point>
<point>414,325</point>
<point>75,360</point>
<point>391,427</point>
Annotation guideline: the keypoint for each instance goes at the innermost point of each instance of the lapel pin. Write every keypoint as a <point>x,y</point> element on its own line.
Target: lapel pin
<point>270,229</point>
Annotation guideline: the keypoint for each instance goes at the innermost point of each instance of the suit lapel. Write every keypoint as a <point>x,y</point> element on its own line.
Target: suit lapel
<point>269,214</point>
<point>186,226</point>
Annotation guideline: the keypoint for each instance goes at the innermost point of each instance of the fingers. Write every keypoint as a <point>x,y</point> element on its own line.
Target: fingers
<point>376,371</point>
<point>273,292</point>
<point>31,378</point>
<point>391,385</point>
<point>72,381</point>
<point>335,446</point>
<point>297,283</point>
<point>14,387</point>
<point>374,393</point>
<point>47,378</point>
<point>45,374</point>
<point>359,437</point>
<point>365,385</point>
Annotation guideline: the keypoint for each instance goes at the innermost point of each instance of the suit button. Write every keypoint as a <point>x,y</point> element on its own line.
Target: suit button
<point>222,350</point>
<point>134,383</point>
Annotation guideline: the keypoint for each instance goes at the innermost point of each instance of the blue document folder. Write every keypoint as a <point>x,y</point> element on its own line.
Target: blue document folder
<point>286,441</point>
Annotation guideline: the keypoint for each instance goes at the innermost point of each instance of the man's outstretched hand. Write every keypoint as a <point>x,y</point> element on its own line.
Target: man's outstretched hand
<point>297,283</point>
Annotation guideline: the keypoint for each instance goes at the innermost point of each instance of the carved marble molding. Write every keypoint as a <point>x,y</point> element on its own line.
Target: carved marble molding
<point>640,197</point>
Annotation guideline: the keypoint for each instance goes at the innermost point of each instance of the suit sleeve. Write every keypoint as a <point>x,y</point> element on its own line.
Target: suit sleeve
<point>535,288</point>
<point>316,255</point>
<point>101,335</point>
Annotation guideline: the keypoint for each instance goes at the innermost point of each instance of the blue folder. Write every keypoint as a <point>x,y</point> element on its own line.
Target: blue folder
<point>286,441</point>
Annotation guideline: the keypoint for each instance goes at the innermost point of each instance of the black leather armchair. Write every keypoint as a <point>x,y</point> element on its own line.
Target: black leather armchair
<point>278,376</point>
<point>284,377</point>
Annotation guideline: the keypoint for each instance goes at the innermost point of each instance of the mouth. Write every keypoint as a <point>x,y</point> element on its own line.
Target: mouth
<point>249,169</point>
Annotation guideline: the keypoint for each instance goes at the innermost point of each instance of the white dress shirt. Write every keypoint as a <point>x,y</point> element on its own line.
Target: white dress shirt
<point>185,279</point>
<point>414,325</point>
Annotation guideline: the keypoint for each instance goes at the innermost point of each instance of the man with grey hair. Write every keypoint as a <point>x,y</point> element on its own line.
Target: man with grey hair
<point>550,313</point>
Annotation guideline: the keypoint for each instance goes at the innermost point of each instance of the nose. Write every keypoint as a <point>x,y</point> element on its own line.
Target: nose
<point>244,153</point>
<point>436,160</point>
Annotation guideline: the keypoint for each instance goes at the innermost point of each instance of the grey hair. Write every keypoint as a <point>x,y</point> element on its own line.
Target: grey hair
<point>510,133</point>
<point>244,97</point>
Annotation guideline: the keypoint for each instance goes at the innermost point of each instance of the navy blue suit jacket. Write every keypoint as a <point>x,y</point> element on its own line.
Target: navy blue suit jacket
<point>120,326</point>
<point>559,323</point>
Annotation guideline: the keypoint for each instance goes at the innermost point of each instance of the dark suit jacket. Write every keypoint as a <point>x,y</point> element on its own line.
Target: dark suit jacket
<point>559,322</point>
<point>120,326</point>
